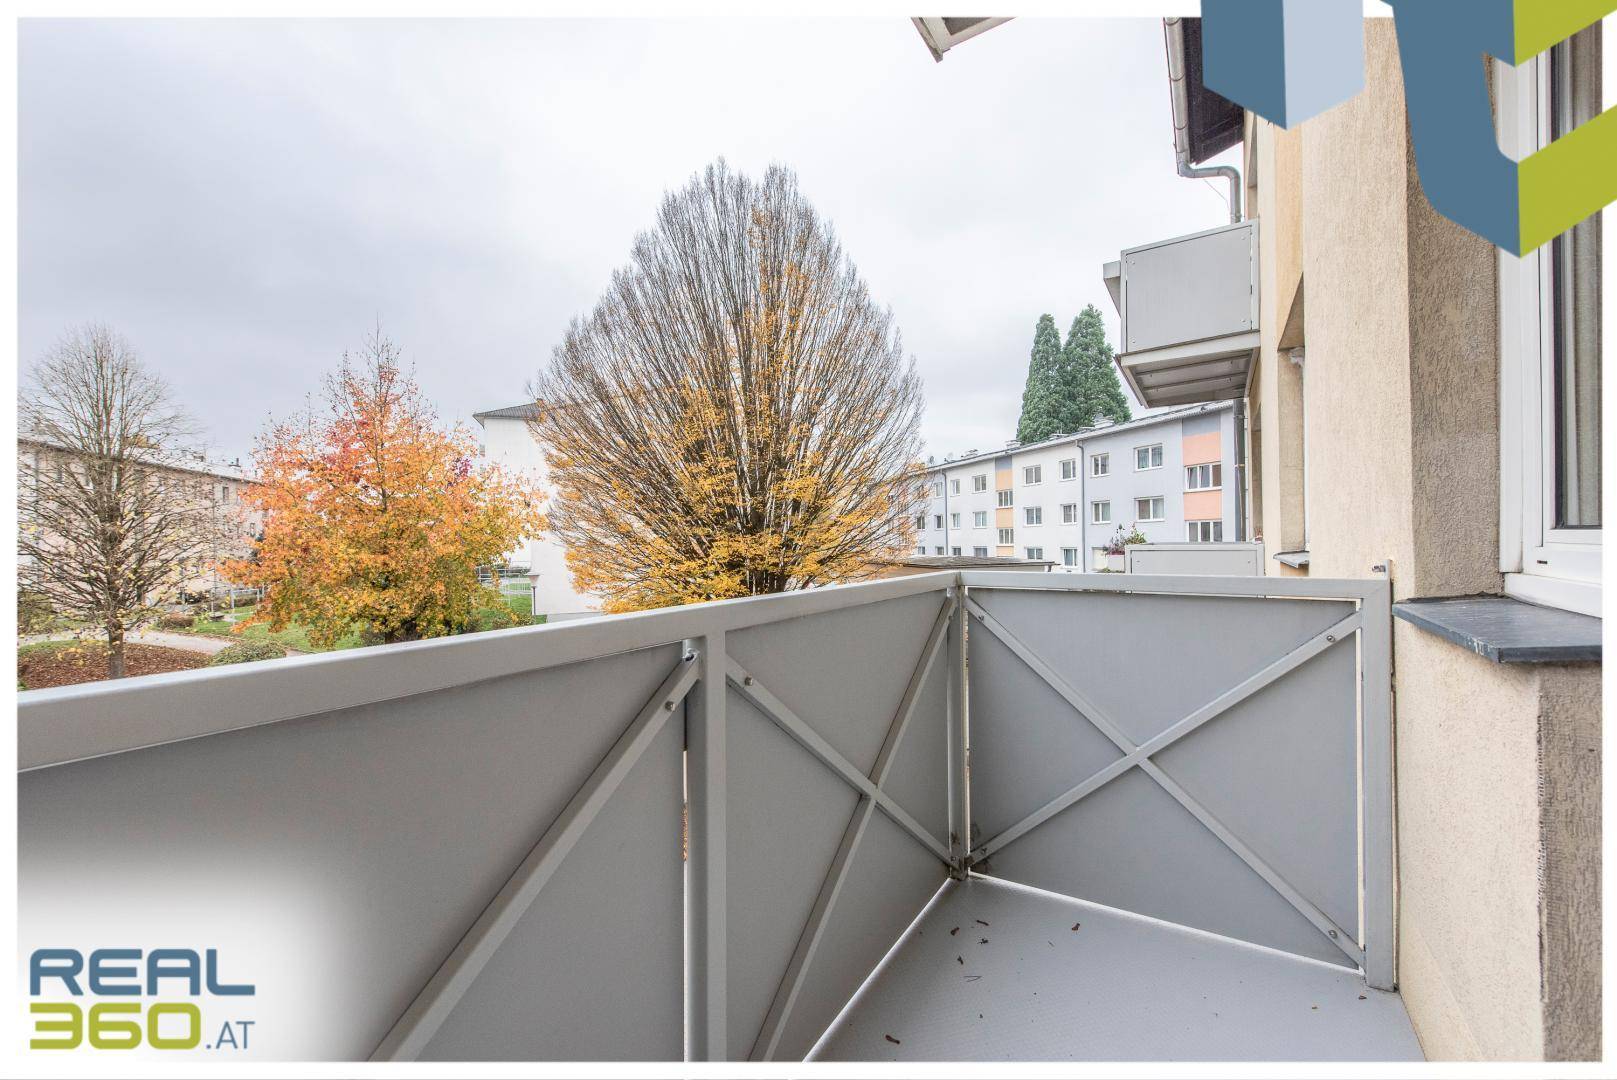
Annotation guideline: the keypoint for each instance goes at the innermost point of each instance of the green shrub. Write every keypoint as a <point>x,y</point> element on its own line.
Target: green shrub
<point>245,652</point>
<point>34,613</point>
<point>176,620</point>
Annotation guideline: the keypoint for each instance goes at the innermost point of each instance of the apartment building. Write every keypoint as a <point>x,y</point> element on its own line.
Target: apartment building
<point>509,443</point>
<point>1171,475</point>
<point>214,484</point>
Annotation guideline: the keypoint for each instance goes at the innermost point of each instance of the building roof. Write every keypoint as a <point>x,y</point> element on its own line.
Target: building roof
<point>1215,123</point>
<point>970,562</point>
<point>1143,422</point>
<point>199,466</point>
<point>526,411</point>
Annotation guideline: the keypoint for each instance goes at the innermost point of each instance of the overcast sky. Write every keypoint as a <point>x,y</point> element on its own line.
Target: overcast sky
<point>243,200</point>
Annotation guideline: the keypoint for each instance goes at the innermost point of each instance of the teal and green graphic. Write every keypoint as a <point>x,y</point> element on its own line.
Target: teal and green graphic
<point>1288,60</point>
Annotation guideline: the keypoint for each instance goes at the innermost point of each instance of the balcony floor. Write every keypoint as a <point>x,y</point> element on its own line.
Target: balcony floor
<point>1121,987</point>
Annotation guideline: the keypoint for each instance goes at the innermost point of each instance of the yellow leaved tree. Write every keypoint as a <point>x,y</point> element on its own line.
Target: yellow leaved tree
<point>736,416</point>
<point>376,518</point>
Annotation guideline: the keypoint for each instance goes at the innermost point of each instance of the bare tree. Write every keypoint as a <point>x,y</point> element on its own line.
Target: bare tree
<point>736,416</point>
<point>111,515</point>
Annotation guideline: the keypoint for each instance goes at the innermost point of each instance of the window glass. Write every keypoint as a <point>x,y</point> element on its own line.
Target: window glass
<point>1101,512</point>
<point>1006,497</point>
<point>1100,465</point>
<point>1575,306</point>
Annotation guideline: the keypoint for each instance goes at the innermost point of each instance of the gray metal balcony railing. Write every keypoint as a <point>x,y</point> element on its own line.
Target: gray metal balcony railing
<point>474,845</point>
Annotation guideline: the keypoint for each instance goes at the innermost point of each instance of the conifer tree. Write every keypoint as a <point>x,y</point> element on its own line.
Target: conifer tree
<point>1042,397</point>
<point>1089,375</point>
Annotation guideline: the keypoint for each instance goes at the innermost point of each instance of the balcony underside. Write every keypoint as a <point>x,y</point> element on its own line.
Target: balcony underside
<point>1118,988</point>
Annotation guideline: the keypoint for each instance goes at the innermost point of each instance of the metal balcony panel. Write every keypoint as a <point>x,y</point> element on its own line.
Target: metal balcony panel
<point>1191,288</point>
<point>390,825</point>
<point>555,989</point>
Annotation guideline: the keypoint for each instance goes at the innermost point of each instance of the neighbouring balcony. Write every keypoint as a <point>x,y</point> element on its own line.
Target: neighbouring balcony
<point>959,816</point>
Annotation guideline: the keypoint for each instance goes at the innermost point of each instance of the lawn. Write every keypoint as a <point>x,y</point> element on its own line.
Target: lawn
<point>296,636</point>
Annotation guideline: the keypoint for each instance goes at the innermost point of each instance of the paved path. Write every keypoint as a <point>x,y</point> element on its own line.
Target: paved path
<point>188,642</point>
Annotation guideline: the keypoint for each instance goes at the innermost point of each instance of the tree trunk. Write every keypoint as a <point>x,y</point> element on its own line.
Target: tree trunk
<point>115,650</point>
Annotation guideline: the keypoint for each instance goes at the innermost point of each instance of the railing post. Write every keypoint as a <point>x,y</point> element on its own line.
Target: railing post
<point>706,966</point>
<point>1380,838</point>
<point>959,810</point>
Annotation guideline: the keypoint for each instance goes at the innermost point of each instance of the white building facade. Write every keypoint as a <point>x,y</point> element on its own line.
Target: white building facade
<point>1172,475</point>
<point>510,444</point>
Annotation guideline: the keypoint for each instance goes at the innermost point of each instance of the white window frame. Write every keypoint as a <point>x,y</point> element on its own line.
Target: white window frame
<point>955,551</point>
<point>1034,554</point>
<point>1541,564</point>
<point>954,487</point>
<point>1215,476</point>
<point>1069,557</point>
<point>937,550</point>
<point>1032,475</point>
<point>1007,538</point>
<point>1100,465</point>
<point>1148,500</point>
<point>1153,451</point>
<point>1069,468</point>
<point>1069,514</point>
<point>1208,531</point>
<point>979,519</point>
<point>937,521</point>
<point>1094,512</point>
<point>979,553</point>
<point>1006,497</point>
<point>979,482</point>
<point>1033,516</point>
<point>937,489</point>
<point>954,521</point>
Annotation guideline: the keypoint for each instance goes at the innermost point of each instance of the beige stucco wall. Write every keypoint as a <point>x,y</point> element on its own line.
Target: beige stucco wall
<point>1467,753</point>
<point>1277,383</point>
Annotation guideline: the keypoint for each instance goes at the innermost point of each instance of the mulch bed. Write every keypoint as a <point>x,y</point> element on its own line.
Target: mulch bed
<point>82,662</point>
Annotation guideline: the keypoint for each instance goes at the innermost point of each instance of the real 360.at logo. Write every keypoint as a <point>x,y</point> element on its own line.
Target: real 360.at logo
<point>122,999</point>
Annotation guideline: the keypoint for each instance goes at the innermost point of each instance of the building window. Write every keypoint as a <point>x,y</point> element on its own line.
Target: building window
<point>1007,537</point>
<point>920,521</point>
<point>1204,477</point>
<point>1147,457</point>
<point>1035,554</point>
<point>1033,515</point>
<point>979,519</point>
<point>1032,475</point>
<point>1005,498</point>
<point>937,522</point>
<point>1069,556</point>
<point>980,552</point>
<point>937,490</point>
<point>1069,469</point>
<point>954,521</point>
<point>954,551</point>
<point>1550,300</point>
<point>1069,513</point>
<point>1100,513</point>
<point>1100,465</point>
<point>979,482</point>
<point>1204,532</point>
<point>937,551</point>
<point>1153,509</point>
<point>954,487</point>
<point>920,549</point>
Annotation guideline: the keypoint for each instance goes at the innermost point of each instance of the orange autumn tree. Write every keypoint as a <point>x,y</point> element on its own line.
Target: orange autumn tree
<point>376,518</point>
<point>736,416</point>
